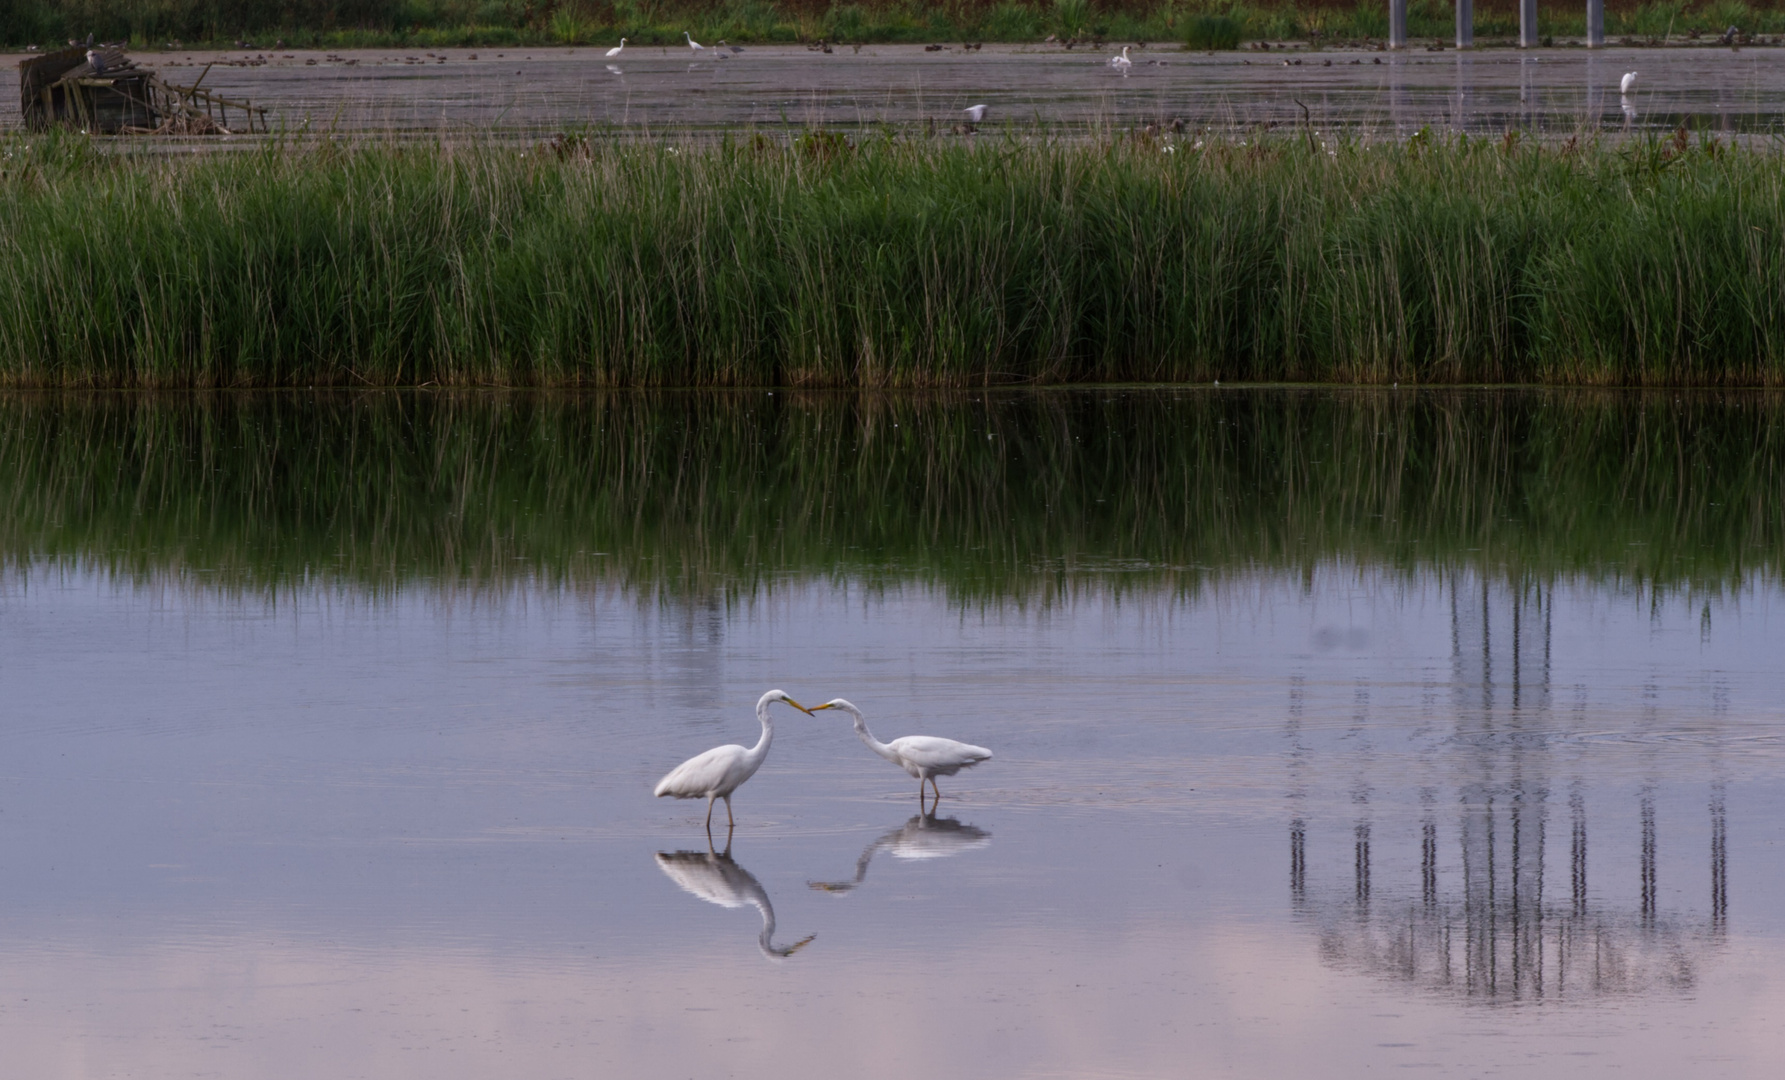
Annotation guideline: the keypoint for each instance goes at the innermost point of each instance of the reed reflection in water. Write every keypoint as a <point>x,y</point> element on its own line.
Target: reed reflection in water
<point>991,496</point>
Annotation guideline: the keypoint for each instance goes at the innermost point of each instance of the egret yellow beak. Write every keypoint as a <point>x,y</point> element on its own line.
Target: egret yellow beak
<point>800,707</point>
<point>816,708</point>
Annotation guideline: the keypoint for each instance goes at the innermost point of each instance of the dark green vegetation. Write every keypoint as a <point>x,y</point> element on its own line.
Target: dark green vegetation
<point>440,23</point>
<point>1024,495</point>
<point>927,263</point>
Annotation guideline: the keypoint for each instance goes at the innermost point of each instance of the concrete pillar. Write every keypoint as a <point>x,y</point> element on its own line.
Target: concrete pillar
<point>1527,24</point>
<point>1595,24</point>
<point>1466,24</point>
<point>1397,24</point>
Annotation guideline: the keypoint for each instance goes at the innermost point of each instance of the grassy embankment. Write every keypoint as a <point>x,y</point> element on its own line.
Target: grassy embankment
<point>446,23</point>
<point>896,263</point>
<point>996,496</point>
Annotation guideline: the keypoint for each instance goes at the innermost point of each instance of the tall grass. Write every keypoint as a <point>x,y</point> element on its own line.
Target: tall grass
<point>894,263</point>
<point>985,495</point>
<point>440,23</point>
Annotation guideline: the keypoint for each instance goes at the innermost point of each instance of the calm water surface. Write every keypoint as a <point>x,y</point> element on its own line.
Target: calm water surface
<point>1334,733</point>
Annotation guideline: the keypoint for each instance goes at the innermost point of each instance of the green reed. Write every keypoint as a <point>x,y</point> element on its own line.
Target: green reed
<point>887,262</point>
<point>447,23</point>
<point>1028,496</point>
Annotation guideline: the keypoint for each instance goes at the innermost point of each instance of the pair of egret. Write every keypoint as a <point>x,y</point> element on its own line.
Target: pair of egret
<point>694,46</point>
<point>723,769</point>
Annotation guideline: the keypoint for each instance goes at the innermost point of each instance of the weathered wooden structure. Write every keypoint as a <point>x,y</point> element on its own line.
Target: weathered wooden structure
<point>103,92</point>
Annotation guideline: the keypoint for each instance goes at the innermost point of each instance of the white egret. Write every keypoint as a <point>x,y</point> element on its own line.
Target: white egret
<point>718,880</point>
<point>922,756</point>
<point>723,769</point>
<point>975,113</point>
<point>1121,63</point>
<point>925,836</point>
<point>615,51</point>
<point>1625,83</point>
<point>694,46</point>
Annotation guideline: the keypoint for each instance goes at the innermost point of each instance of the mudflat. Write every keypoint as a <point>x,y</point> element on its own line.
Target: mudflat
<point>672,89</point>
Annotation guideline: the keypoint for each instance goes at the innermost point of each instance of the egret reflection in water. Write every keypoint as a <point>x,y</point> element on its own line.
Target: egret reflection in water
<point>925,836</point>
<point>717,879</point>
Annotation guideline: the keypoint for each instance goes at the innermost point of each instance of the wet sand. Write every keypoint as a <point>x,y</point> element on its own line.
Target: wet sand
<point>650,90</point>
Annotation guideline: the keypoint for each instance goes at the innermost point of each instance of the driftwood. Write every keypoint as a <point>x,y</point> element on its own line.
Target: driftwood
<point>103,92</point>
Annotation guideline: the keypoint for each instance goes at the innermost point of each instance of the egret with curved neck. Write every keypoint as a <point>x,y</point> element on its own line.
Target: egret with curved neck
<point>723,769</point>
<point>922,756</point>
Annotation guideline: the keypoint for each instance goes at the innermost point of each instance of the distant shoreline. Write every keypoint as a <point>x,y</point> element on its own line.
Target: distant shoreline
<point>328,24</point>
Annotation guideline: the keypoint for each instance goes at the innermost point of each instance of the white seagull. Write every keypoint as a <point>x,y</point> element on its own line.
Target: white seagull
<point>615,51</point>
<point>922,756</point>
<point>975,113</point>
<point>723,769</point>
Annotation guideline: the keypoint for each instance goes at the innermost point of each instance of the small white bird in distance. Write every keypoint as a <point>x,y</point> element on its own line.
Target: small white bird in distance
<point>615,51</point>
<point>723,769</point>
<point>1625,83</point>
<point>923,756</point>
<point>975,113</point>
<point>1121,63</point>
<point>696,47</point>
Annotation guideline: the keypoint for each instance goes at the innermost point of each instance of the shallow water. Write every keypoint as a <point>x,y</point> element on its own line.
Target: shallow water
<point>330,724</point>
<point>653,90</point>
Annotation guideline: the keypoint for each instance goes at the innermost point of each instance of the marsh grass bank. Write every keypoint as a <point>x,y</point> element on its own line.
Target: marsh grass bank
<point>890,262</point>
<point>449,23</point>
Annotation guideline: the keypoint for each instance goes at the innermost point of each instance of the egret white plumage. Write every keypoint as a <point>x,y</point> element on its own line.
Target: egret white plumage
<point>696,47</point>
<point>723,769</point>
<point>615,51</point>
<point>922,756</point>
<point>1625,83</point>
<point>975,113</point>
<point>1121,63</point>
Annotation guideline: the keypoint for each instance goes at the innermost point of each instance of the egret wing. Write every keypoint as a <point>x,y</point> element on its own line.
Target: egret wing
<point>931,752</point>
<point>697,776</point>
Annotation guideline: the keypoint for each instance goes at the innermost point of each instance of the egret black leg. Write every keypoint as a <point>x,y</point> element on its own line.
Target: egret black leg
<point>709,815</point>
<point>730,822</point>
